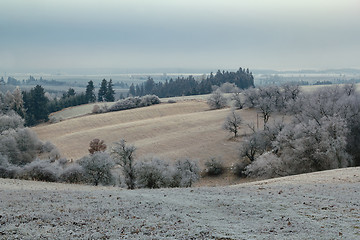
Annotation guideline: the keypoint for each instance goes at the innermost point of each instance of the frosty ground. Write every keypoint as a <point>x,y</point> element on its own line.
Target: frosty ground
<point>322,205</point>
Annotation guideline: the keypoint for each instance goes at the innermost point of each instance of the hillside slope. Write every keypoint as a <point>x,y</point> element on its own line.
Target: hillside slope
<point>183,129</point>
<point>322,205</point>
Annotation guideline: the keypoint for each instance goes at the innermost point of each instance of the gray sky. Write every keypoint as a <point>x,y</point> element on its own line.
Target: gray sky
<point>222,34</point>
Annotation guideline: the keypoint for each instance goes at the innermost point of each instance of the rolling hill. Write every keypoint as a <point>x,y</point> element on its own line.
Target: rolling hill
<point>182,129</point>
<point>321,205</point>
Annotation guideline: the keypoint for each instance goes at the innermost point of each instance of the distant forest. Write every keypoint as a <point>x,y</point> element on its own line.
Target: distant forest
<point>190,86</point>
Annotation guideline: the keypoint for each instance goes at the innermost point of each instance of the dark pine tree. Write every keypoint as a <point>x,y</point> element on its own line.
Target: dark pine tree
<point>90,92</point>
<point>109,95</point>
<point>102,90</point>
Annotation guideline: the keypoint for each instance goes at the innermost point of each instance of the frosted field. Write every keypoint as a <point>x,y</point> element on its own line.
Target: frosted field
<point>322,205</point>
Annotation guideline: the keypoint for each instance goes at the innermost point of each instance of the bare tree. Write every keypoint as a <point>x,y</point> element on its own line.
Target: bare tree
<point>266,108</point>
<point>232,122</point>
<point>123,155</point>
<point>217,100</point>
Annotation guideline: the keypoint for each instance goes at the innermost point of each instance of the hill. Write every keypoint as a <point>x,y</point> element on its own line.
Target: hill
<point>182,129</point>
<point>321,205</point>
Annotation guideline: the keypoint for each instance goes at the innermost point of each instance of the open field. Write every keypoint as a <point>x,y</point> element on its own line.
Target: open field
<point>321,205</point>
<point>183,129</point>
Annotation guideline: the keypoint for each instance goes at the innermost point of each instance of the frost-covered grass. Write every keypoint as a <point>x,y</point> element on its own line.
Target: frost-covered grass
<point>322,205</point>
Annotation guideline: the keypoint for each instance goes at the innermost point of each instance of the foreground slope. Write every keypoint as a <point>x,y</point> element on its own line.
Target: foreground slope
<point>322,205</point>
<point>183,129</point>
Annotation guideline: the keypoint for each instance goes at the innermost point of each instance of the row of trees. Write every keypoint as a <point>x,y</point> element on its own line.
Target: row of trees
<point>36,105</point>
<point>190,86</point>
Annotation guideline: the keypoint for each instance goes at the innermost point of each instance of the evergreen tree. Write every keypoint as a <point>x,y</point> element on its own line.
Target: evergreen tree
<point>132,90</point>
<point>109,95</point>
<point>90,92</point>
<point>71,92</point>
<point>102,90</point>
<point>35,104</point>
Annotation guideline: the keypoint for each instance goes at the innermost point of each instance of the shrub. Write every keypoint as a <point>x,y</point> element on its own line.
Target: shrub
<point>134,102</point>
<point>217,100</point>
<point>171,101</point>
<point>153,173</point>
<point>97,145</point>
<point>40,170</point>
<point>74,173</point>
<point>239,168</point>
<point>149,100</point>
<point>214,167</point>
<point>99,109</point>
<point>98,168</point>
<point>186,173</point>
<point>10,121</point>
<point>6,169</point>
<point>21,145</point>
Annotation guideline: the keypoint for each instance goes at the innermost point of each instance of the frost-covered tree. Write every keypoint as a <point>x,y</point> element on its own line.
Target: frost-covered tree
<point>250,97</point>
<point>153,173</point>
<point>232,122</point>
<point>186,173</point>
<point>305,147</point>
<point>21,145</point>
<point>238,102</point>
<point>217,100</point>
<point>10,121</point>
<point>98,168</point>
<point>18,102</point>
<point>73,173</point>
<point>123,154</point>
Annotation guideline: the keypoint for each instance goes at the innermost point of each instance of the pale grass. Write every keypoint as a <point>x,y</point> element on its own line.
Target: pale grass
<point>183,129</point>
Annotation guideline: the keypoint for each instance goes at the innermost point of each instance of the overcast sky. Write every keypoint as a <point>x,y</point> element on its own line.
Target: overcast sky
<point>222,34</point>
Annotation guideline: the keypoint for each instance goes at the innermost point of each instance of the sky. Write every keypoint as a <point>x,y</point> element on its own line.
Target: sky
<point>41,35</point>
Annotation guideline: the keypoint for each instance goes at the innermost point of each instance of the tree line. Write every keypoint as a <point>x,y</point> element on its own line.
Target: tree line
<point>190,86</point>
<point>35,105</point>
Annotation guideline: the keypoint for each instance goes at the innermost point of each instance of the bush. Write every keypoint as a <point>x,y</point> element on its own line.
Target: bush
<point>98,168</point>
<point>6,169</point>
<point>10,121</point>
<point>74,173</point>
<point>40,170</point>
<point>97,145</point>
<point>239,168</point>
<point>149,100</point>
<point>214,167</point>
<point>21,145</point>
<point>153,173</point>
<point>171,101</point>
<point>99,109</point>
<point>135,102</point>
<point>186,173</point>
<point>217,100</point>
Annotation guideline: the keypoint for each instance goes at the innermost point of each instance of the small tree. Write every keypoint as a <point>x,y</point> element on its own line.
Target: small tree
<point>217,100</point>
<point>123,155</point>
<point>232,122</point>
<point>238,102</point>
<point>98,168</point>
<point>186,173</point>
<point>97,145</point>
